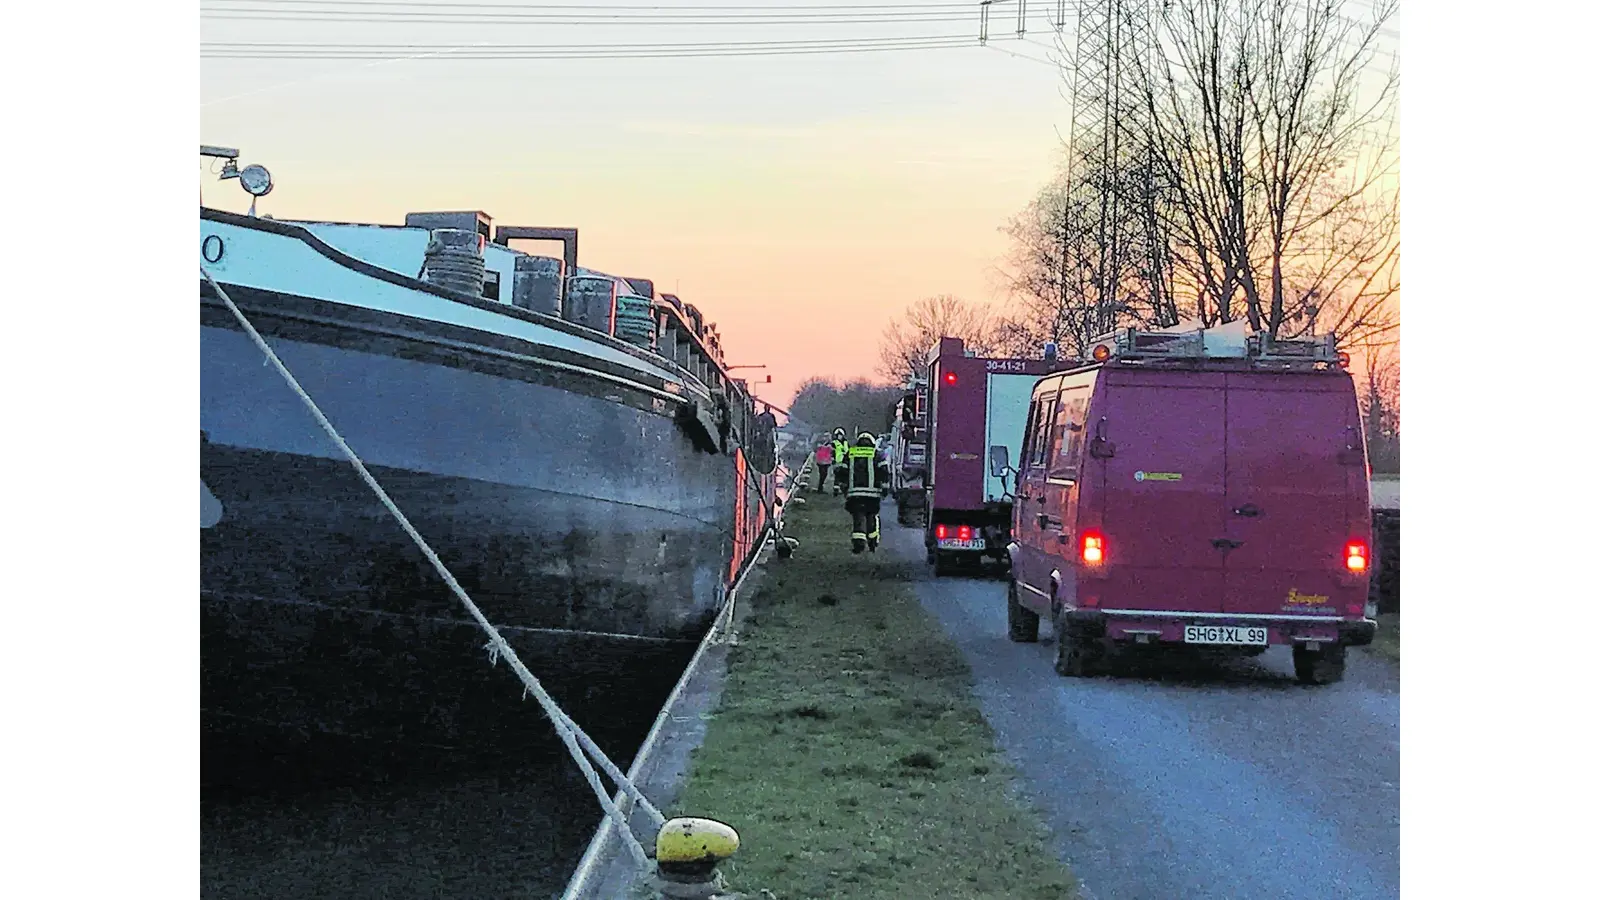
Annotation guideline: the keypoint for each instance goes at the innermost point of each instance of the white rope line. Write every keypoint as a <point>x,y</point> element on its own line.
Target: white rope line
<point>568,730</point>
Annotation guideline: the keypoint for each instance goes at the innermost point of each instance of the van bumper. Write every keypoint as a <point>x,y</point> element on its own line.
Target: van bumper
<point>1086,623</point>
<point>1359,633</point>
<point>1090,624</point>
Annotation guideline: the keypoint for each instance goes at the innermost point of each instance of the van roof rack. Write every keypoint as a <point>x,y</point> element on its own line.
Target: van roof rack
<point>1258,349</point>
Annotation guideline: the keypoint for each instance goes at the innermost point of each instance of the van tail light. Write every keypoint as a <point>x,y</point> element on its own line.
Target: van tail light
<point>1356,555</point>
<point>941,532</point>
<point>964,533</point>
<point>1092,547</point>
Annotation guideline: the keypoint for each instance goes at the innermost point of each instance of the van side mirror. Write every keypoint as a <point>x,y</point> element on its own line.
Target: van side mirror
<point>999,460</point>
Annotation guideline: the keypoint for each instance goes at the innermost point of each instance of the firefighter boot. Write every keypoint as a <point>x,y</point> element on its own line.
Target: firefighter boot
<point>858,542</point>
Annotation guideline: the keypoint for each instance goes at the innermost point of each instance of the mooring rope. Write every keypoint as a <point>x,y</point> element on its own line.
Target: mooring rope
<point>571,735</point>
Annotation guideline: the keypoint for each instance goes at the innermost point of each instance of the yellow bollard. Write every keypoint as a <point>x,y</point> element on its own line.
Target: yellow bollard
<point>687,853</point>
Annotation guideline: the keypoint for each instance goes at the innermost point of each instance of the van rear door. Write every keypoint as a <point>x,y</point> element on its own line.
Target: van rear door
<point>1287,500</point>
<point>1031,565</point>
<point>1163,493</point>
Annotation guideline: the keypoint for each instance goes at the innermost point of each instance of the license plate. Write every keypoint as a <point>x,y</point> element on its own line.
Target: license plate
<point>957,544</point>
<point>1224,634</point>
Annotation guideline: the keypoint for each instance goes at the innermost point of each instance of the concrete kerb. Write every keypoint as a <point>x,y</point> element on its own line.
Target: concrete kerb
<point>662,763</point>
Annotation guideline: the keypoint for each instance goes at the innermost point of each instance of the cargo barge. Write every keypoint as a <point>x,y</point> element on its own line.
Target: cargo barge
<point>569,442</point>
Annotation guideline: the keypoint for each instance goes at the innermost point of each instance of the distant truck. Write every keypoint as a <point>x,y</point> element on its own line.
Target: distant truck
<point>1205,489</point>
<point>973,403</point>
<point>908,454</point>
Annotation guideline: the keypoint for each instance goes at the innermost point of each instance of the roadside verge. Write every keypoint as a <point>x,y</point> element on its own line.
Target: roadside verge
<point>847,748</point>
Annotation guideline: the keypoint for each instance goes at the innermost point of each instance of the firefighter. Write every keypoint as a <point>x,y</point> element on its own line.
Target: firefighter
<point>867,476</point>
<point>841,449</point>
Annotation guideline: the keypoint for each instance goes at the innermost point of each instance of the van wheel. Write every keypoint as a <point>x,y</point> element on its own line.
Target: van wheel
<point>1324,666</point>
<point>942,564</point>
<point>1022,624</point>
<point>1070,660</point>
<point>1074,657</point>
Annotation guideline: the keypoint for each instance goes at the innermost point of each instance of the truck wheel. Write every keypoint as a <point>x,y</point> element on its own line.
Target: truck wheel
<point>1325,666</point>
<point>1022,624</point>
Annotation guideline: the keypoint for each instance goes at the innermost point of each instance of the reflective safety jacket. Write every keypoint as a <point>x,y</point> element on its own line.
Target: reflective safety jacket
<point>840,448</point>
<point>868,472</point>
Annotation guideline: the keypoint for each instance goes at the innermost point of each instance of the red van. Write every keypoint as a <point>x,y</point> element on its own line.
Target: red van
<point>1194,488</point>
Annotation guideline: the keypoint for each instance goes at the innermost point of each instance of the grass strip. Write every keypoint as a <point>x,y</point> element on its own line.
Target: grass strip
<point>1387,641</point>
<point>848,749</point>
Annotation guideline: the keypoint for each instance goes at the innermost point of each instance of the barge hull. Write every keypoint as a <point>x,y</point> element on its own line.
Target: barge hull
<point>568,507</point>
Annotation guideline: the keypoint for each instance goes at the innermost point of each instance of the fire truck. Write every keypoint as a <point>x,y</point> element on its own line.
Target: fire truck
<point>974,404</point>
<point>908,453</point>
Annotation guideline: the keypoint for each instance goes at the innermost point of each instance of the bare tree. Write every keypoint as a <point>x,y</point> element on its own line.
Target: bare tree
<point>1053,271</point>
<point>1046,305</point>
<point>854,406</point>
<point>1273,158</point>
<point>1195,92</point>
<point>1349,285</point>
<point>907,340</point>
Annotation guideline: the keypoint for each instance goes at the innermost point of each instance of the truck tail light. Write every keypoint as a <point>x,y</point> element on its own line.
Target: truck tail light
<point>949,378</point>
<point>1092,547</point>
<point>964,533</point>
<point>1356,556</point>
<point>940,532</point>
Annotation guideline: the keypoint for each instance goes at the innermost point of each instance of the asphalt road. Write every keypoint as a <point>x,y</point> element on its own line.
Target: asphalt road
<point>1171,779</point>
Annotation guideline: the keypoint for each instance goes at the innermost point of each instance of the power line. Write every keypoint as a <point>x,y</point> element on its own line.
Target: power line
<point>387,8</point>
<point>433,12</point>
<point>253,10</point>
<point>995,46</point>
<point>537,19</point>
<point>299,51</point>
<point>962,4</point>
<point>713,45</point>
<point>319,10</point>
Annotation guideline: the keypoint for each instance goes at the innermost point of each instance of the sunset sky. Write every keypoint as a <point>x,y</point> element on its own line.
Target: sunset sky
<point>800,201</point>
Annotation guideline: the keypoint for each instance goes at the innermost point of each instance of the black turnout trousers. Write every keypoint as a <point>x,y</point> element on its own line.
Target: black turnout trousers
<point>863,514</point>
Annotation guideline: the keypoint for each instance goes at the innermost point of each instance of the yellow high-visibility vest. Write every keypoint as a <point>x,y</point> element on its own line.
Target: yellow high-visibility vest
<point>870,488</point>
